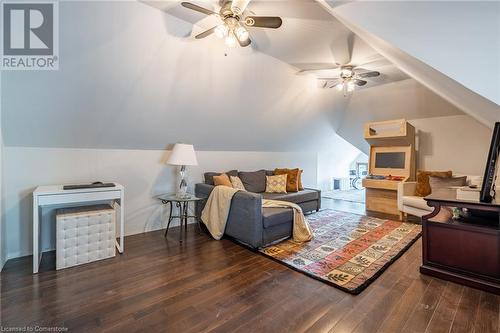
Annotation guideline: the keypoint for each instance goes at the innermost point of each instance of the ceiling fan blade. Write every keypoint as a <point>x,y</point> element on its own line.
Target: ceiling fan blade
<point>359,82</point>
<point>205,33</point>
<point>244,43</point>
<point>197,8</point>
<point>333,83</point>
<point>324,68</point>
<point>272,22</point>
<point>367,74</point>
<point>239,6</point>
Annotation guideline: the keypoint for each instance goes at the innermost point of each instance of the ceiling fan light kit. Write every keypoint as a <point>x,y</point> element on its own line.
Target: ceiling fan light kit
<point>233,28</point>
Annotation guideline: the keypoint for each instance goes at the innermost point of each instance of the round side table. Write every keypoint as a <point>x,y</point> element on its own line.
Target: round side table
<point>183,205</point>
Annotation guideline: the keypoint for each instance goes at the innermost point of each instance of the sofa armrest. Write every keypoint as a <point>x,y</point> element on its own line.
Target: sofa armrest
<point>245,218</point>
<point>405,189</point>
<point>319,196</point>
<point>203,191</point>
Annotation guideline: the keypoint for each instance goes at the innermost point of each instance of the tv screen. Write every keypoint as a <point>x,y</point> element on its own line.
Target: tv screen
<point>392,160</point>
<point>488,189</point>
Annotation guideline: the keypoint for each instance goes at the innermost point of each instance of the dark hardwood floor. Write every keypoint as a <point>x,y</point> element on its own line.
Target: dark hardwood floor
<point>204,285</point>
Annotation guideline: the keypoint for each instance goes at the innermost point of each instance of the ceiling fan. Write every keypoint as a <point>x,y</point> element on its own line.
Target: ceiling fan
<point>350,75</point>
<point>234,22</point>
<point>349,78</point>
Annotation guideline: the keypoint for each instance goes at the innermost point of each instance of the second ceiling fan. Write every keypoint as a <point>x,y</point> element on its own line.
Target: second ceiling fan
<point>233,28</point>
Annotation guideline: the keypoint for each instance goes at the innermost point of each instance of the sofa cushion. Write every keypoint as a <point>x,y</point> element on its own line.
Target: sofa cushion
<point>292,179</point>
<point>275,216</point>
<point>254,181</point>
<point>416,202</point>
<point>209,176</point>
<point>295,197</point>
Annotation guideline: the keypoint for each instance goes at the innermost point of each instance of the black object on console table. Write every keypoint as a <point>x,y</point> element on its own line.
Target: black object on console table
<point>464,250</point>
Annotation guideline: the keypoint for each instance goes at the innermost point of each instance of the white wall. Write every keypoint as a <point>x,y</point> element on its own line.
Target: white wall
<point>403,99</point>
<point>130,77</point>
<point>335,162</point>
<point>2,222</point>
<point>457,143</point>
<point>447,56</point>
<point>141,172</point>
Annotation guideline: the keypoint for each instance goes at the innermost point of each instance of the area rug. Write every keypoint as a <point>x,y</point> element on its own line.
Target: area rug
<point>348,251</point>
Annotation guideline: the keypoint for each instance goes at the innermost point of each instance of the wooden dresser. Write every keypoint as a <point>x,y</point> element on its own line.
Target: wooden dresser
<point>467,250</point>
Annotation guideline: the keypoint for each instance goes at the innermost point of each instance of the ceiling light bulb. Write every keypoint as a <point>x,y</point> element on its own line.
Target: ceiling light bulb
<point>221,31</point>
<point>241,33</point>
<point>350,86</point>
<point>340,86</point>
<point>230,40</point>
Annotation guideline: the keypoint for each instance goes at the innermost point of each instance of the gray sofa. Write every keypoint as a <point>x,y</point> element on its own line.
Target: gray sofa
<point>248,222</point>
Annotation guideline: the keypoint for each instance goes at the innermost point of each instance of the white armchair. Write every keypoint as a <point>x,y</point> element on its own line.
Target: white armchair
<point>409,203</point>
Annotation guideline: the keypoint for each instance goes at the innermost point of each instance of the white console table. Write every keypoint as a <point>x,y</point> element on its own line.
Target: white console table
<point>55,195</point>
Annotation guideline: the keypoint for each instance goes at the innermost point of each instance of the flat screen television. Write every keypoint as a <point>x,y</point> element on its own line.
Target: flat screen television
<point>488,187</point>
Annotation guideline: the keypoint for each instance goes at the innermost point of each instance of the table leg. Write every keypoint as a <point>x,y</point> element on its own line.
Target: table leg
<point>122,222</point>
<point>186,208</point>
<point>169,218</point>
<point>36,235</point>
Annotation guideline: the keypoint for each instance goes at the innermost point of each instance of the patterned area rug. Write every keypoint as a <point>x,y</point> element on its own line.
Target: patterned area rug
<point>348,251</point>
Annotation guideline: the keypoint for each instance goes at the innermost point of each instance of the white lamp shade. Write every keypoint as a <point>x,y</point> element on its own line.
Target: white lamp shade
<point>182,154</point>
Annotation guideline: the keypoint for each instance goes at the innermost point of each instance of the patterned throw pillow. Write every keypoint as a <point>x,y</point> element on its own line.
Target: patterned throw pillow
<point>423,187</point>
<point>276,184</point>
<point>237,183</point>
<point>222,180</point>
<point>292,180</point>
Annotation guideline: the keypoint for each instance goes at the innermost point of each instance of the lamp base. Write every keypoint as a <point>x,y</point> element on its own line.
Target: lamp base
<point>182,190</point>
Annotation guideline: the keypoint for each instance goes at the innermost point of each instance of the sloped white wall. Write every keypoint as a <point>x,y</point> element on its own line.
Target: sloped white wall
<point>142,172</point>
<point>129,78</point>
<point>403,99</point>
<point>461,39</point>
<point>436,41</point>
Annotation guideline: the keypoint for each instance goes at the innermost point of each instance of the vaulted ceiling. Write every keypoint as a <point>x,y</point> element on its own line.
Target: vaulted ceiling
<point>132,76</point>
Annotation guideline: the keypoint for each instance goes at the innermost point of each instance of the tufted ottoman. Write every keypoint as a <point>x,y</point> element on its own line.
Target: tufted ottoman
<point>84,234</point>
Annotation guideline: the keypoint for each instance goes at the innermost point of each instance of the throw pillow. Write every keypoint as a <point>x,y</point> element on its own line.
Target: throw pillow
<point>423,187</point>
<point>301,187</point>
<point>237,184</point>
<point>440,182</point>
<point>209,176</point>
<point>222,180</point>
<point>292,181</point>
<point>276,184</point>
<point>254,181</point>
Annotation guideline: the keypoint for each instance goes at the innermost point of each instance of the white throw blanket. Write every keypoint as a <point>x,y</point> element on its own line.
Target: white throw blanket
<point>216,212</point>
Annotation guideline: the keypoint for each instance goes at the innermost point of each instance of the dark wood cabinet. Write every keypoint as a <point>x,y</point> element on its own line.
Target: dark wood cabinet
<point>464,250</point>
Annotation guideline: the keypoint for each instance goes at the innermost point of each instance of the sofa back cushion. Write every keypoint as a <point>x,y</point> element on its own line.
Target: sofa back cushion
<point>209,176</point>
<point>254,181</point>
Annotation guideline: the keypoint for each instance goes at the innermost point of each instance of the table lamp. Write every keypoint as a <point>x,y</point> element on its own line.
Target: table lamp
<point>182,155</point>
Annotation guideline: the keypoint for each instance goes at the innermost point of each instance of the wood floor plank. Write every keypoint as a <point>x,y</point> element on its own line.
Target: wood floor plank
<point>424,309</point>
<point>445,312</point>
<point>204,285</point>
<point>465,316</point>
<point>487,314</point>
